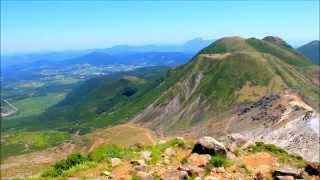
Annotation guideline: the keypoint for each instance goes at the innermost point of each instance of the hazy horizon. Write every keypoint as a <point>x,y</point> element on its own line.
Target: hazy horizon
<point>31,27</point>
<point>294,44</point>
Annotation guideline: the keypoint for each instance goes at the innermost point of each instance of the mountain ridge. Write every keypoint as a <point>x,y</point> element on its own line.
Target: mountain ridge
<point>311,50</point>
<point>227,73</point>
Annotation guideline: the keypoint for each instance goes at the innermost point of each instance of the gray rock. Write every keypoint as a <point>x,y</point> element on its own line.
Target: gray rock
<point>208,145</point>
<point>220,170</point>
<point>183,175</point>
<point>140,168</point>
<point>231,156</point>
<point>288,172</point>
<point>146,155</point>
<point>236,138</point>
<point>284,178</point>
<point>139,165</point>
<point>169,152</point>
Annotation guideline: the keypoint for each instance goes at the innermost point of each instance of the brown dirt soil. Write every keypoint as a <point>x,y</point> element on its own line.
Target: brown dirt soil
<point>32,163</point>
<point>122,171</point>
<point>125,135</point>
<point>260,162</point>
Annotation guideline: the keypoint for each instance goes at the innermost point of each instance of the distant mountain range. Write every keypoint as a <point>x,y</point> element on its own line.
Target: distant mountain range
<point>311,50</point>
<point>189,47</point>
<point>99,58</point>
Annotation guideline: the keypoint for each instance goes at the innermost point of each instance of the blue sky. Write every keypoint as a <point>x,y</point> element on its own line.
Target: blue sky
<point>28,26</point>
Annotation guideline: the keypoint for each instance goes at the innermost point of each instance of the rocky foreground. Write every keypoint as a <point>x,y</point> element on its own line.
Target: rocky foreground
<point>207,158</point>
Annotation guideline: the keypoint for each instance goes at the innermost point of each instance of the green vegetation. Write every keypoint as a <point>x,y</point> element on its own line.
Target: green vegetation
<point>260,66</point>
<point>246,170</point>
<point>237,151</point>
<point>281,154</point>
<point>107,151</point>
<point>76,162</point>
<point>158,150</point>
<point>34,105</point>
<point>220,161</point>
<point>64,165</point>
<point>246,70</point>
<point>21,142</point>
<point>287,55</point>
<point>95,103</point>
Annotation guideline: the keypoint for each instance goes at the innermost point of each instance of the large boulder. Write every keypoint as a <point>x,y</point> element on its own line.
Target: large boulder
<point>297,174</point>
<point>313,169</point>
<point>208,145</point>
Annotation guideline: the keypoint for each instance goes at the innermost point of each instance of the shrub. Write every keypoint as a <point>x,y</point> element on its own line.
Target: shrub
<point>177,143</point>
<point>63,165</point>
<point>220,161</point>
<point>245,169</point>
<point>158,150</point>
<point>237,152</point>
<point>51,172</point>
<point>109,151</point>
<point>184,160</point>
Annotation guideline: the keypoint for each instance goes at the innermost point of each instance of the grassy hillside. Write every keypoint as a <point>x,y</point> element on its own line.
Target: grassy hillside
<point>228,73</point>
<point>83,108</point>
<point>24,142</point>
<point>34,105</point>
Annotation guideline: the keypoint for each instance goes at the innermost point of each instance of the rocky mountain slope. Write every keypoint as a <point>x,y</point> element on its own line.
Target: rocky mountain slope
<point>223,76</point>
<point>178,158</point>
<point>258,88</point>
